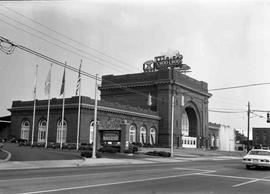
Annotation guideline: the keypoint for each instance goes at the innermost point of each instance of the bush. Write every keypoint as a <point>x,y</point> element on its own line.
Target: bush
<point>71,146</point>
<point>138,144</point>
<point>85,146</point>
<point>110,149</point>
<point>88,154</point>
<point>133,148</point>
<point>159,153</point>
<point>40,145</point>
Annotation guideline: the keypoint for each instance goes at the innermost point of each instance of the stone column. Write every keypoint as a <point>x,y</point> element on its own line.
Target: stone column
<point>124,136</point>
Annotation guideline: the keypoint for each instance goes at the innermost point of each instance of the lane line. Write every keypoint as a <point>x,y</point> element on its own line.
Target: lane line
<point>196,169</point>
<point>229,176</point>
<point>256,180</point>
<point>245,183</point>
<point>108,184</point>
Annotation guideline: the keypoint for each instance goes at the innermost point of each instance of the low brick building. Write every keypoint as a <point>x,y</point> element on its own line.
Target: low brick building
<point>114,121</point>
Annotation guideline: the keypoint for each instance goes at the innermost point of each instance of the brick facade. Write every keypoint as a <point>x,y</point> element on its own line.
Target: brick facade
<point>110,117</point>
<point>133,89</point>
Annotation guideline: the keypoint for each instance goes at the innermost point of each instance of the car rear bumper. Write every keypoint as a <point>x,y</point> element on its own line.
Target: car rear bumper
<point>261,164</point>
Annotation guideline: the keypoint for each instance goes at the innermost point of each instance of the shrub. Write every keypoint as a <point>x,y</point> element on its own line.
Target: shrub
<point>71,146</point>
<point>88,154</point>
<point>164,154</point>
<point>109,149</point>
<point>138,144</point>
<point>133,148</point>
<point>40,145</point>
<point>158,153</point>
<point>85,147</point>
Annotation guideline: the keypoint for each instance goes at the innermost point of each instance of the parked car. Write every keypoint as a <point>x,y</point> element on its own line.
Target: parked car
<point>257,158</point>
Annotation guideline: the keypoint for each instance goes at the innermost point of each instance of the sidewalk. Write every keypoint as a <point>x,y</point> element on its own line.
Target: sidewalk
<point>180,155</point>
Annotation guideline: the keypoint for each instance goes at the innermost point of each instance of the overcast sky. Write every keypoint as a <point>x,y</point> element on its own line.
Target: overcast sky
<point>226,43</point>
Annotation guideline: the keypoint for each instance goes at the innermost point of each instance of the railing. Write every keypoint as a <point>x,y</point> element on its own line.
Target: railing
<point>189,142</point>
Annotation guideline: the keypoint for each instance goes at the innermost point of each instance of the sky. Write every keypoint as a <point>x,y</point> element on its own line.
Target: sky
<point>225,43</point>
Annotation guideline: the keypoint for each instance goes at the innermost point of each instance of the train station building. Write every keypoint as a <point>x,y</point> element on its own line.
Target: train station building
<point>144,107</point>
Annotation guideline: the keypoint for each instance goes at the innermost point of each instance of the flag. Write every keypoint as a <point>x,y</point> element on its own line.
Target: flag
<point>35,83</point>
<point>79,80</point>
<point>149,101</point>
<point>63,83</point>
<point>48,82</point>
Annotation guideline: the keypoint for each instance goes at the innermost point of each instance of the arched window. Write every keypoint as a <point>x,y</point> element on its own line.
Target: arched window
<point>152,136</point>
<point>142,135</point>
<point>91,132</point>
<point>132,133</point>
<point>42,131</point>
<point>25,128</point>
<point>60,132</point>
<point>185,124</point>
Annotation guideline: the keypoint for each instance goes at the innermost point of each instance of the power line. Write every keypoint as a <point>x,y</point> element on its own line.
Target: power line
<point>241,86</point>
<point>219,111</point>
<point>69,38</point>
<point>94,60</point>
<point>2,39</point>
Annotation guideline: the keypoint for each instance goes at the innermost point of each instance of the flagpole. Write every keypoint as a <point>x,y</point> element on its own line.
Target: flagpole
<point>79,110</point>
<point>63,108</point>
<point>95,122</point>
<point>48,114</point>
<point>34,109</point>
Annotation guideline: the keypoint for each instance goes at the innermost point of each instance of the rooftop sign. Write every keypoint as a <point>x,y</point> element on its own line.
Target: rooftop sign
<point>165,62</point>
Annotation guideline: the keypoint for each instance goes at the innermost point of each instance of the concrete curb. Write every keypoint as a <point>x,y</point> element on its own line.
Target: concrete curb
<point>7,158</point>
<point>15,165</point>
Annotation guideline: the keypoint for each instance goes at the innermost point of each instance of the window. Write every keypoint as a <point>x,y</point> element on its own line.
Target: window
<point>152,136</point>
<point>91,132</point>
<point>42,131</point>
<point>185,124</point>
<point>143,135</point>
<point>132,133</point>
<point>60,132</point>
<point>25,128</point>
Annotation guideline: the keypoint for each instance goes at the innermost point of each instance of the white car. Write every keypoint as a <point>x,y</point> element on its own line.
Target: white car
<point>257,157</point>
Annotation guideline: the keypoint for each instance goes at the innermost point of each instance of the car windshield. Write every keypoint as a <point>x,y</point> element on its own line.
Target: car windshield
<point>257,152</point>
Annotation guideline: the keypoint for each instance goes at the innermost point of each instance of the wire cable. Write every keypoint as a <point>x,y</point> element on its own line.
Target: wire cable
<point>63,35</point>
<point>94,60</point>
<point>241,86</point>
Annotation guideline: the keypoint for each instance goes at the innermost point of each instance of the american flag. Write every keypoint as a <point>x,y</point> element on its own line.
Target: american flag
<point>79,80</point>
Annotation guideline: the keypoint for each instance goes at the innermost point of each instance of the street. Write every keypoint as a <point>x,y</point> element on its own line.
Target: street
<point>212,176</point>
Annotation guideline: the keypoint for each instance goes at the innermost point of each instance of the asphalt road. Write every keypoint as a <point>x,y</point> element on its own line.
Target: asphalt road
<point>197,177</point>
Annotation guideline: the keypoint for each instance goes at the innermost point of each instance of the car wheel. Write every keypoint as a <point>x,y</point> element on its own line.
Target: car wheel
<point>248,166</point>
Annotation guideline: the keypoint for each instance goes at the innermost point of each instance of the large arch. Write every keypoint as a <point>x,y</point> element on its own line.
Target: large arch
<point>190,125</point>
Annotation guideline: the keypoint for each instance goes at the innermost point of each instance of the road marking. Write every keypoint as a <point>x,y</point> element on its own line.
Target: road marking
<point>108,184</point>
<point>196,169</point>
<point>253,181</point>
<point>245,183</point>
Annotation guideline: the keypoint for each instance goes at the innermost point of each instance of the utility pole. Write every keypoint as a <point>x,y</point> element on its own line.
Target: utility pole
<point>248,114</point>
<point>172,122</point>
<point>95,122</point>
